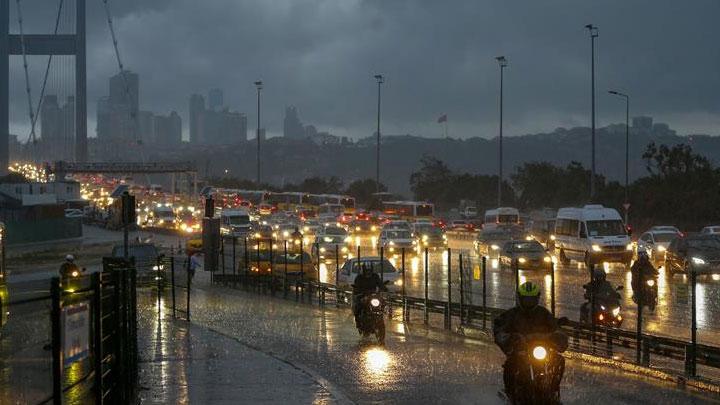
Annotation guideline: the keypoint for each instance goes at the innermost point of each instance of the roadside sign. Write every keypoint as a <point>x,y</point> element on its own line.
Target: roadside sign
<point>75,333</point>
<point>626,206</point>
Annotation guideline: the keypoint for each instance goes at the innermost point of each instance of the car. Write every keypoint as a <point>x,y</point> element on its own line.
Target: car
<point>147,260</point>
<point>655,243</point>
<point>235,222</point>
<point>298,266</point>
<point>711,230</point>
<point>397,224</point>
<point>363,228</point>
<point>328,246</point>
<point>698,253</point>
<point>429,236</point>
<point>74,213</point>
<point>351,268</point>
<point>490,241</point>
<point>592,234</point>
<point>394,240</point>
<point>529,255</point>
<point>333,230</point>
<point>664,228</point>
<point>461,225</point>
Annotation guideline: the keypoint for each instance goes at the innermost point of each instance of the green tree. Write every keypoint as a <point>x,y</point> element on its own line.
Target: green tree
<point>363,191</point>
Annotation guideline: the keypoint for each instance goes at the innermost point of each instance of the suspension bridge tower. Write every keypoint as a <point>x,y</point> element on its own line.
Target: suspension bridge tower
<point>43,44</point>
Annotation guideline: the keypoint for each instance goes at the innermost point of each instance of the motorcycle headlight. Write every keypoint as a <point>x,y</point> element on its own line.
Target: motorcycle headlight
<point>522,260</point>
<point>75,273</point>
<point>698,260</point>
<point>547,259</point>
<point>399,282</point>
<point>539,353</point>
<point>651,283</point>
<point>602,307</point>
<point>629,247</point>
<point>494,247</point>
<point>661,248</point>
<point>616,311</point>
<point>375,302</point>
<point>596,248</point>
<point>156,267</point>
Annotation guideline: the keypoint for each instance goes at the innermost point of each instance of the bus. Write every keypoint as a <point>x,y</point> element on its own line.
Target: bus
<point>250,198</point>
<point>345,200</point>
<point>409,210</point>
<point>501,217</point>
<point>287,201</point>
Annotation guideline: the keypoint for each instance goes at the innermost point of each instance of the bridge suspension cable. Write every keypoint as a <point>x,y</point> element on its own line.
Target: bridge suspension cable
<point>27,75</point>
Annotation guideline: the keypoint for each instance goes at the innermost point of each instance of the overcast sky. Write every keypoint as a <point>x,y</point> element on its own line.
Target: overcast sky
<point>437,56</point>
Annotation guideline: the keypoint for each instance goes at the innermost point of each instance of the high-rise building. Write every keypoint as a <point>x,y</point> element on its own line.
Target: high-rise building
<point>146,126</point>
<point>168,129</point>
<point>215,99</point>
<point>57,127</point>
<point>292,127</point>
<point>50,119</point>
<point>117,115</point>
<point>197,109</point>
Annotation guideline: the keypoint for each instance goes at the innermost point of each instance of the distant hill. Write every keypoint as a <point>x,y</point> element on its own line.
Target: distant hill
<point>285,160</point>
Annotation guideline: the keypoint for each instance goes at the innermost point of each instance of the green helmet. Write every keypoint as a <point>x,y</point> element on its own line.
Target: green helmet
<point>528,295</point>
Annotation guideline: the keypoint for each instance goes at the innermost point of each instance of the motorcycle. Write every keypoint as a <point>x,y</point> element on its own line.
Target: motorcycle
<point>72,281</point>
<point>607,309</point>
<point>537,373</point>
<point>649,294</point>
<point>371,319</point>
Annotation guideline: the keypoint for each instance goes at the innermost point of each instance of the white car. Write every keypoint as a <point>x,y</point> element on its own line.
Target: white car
<point>394,240</point>
<point>74,213</point>
<point>387,272</point>
<point>397,224</point>
<point>655,243</point>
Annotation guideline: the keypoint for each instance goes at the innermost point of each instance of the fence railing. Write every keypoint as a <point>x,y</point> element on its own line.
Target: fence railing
<point>250,265</point>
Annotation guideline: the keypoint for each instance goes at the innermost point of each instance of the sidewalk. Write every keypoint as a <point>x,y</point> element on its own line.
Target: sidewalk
<point>183,363</point>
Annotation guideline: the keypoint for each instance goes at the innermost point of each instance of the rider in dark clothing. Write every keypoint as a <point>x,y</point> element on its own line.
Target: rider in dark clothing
<point>642,265</point>
<point>601,288</point>
<point>68,268</point>
<point>366,282</point>
<point>513,325</point>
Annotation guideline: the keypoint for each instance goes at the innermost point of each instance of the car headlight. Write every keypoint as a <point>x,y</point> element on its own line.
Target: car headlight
<point>357,228</point>
<point>375,302</point>
<point>156,267</point>
<point>547,259</point>
<point>494,247</point>
<point>602,307</point>
<point>399,282</point>
<point>616,311</point>
<point>322,250</point>
<point>596,248</point>
<point>344,249</point>
<point>424,238</point>
<point>391,243</point>
<point>539,353</point>
<point>286,234</point>
<point>414,242</point>
<point>373,228</point>
<point>552,237</point>
<point>522,260</point>
<point>698,260</point>
<point>257,235</point>
<point>661,248</point>
<point>650,282</point>
<point>629,247</point>
<point>529,238</point>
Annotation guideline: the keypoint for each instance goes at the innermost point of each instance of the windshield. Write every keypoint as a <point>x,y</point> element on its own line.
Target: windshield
<point>398,234</point>
<point>704,243</point>
<point>665,237</point>
<point>508,219</point>
<point>387,267</point>
<point>293,258</point>
<point>613,227</point>
<point>527,247</point>
<point>238,220</point>
<point>334,230</point>
<point>138,252</point>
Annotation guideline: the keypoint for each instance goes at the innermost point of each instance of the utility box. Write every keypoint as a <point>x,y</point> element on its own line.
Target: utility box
<point>211,242</point>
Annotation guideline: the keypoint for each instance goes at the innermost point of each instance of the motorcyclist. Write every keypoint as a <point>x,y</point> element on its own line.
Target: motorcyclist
<point>367,282</point>
<point>600,287</point>
<point>512,327</point>
<point>69,268</point>
<point>642,270</point>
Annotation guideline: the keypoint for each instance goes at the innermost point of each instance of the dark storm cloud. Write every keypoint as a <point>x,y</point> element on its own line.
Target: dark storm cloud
<point>438,58</point>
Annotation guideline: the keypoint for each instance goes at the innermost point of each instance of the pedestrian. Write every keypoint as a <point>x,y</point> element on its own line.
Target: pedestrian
<point>194,264</point>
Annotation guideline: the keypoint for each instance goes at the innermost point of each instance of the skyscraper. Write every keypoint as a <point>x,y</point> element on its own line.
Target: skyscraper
<point>292,127</point>
<point>117,116</point>
<point>168,129</point>
<point>215,99</point>
<point>197,109</point>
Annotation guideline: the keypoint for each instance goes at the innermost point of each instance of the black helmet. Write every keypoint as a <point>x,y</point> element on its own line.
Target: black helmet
<point>528,295</point>
<point>599,275</point>
<point>366,268</point>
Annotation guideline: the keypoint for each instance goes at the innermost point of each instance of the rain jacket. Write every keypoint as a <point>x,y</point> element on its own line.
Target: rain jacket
<point>364,285</point>
<point>648,272</point>
<point>518,321</point>
<point>67,268</point>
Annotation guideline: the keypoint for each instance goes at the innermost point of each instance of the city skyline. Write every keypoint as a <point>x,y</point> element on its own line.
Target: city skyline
<point>453,61</point>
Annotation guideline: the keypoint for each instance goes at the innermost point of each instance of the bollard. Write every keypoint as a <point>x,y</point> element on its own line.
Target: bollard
<point>382,257</point>
<point>462,291</point>
<point>172,282</point>
<point>693,326</point>
<point>404,281</point>
<point>337,276</point>
<point>247,262</point>
<point>552,287</point>
<point>592,310</point>
<point>484,294</point>
<point>448,322</point>
<point>516,268</point>
<point>640,299</point>
<point>285,286</point>
<point>222,256</point>
<point>425,309</point>
<point>257,260</point>
<point>302,268</point>
<point>187,296</point>
<point>97,336</point>
<point>55,339</point>
<point>272,268</point>
<point>234,260</point>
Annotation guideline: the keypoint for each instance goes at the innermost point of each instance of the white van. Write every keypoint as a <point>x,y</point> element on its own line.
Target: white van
<point>235,222</point>
<point>592,234</point>
<point>503,217</point>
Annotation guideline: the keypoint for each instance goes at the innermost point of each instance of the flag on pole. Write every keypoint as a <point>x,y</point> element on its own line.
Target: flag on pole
<point>443,118</point>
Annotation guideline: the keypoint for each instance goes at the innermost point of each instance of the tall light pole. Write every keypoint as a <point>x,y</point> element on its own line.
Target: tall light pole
<point>627,150</point>
<point>258,86</point>
<point>593,31</point>
<point>502,61</point>
<point>380,80</point>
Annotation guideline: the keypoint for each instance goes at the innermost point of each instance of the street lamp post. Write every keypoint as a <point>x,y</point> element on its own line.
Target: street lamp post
<point>380,80</point>
<point>259,86</point>
<point>502,61</point>
<point>593,30</point>
<point>627,149</point>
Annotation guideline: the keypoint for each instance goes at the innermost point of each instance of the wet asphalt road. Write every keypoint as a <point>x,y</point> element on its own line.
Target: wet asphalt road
<point>417,365</point>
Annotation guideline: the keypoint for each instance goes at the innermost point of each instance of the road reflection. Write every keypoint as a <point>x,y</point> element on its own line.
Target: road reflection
<point>377,361</point>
